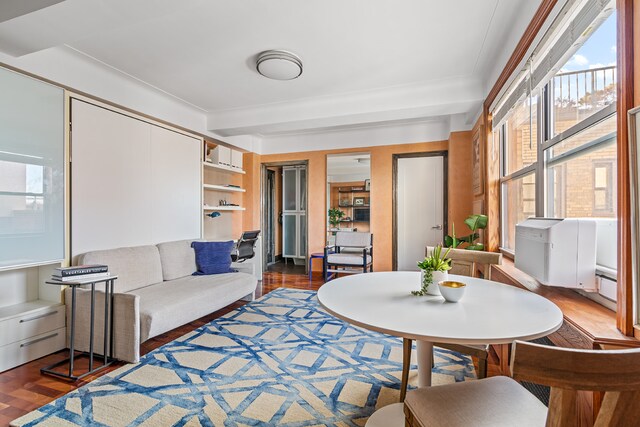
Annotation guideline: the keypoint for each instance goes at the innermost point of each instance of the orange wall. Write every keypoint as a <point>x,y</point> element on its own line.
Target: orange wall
<point>460,181</point>
<point>459,203</point>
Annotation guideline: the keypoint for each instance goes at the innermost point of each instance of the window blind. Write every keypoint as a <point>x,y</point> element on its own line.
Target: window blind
<point>589,17</point>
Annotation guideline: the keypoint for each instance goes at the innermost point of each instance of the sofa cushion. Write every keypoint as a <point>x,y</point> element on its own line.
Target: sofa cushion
<point>213,257</point>
<point>167,305</point>
<point>178,259</point>
<point>136,267</point>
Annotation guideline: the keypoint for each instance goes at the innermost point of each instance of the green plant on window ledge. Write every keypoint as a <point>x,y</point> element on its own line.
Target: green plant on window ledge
<point>475,223</point>
<point>335,215</point>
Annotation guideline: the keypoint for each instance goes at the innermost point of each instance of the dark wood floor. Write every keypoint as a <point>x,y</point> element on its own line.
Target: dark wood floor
<point>24,389</point>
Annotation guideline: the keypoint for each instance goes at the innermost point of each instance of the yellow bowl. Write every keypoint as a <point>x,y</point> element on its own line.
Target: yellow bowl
<point>452,291</point>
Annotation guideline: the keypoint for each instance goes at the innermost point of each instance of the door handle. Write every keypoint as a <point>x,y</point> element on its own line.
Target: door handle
<point>437,227</point>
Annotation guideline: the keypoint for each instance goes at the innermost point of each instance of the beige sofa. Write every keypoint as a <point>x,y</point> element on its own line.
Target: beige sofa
<point>154,293</point>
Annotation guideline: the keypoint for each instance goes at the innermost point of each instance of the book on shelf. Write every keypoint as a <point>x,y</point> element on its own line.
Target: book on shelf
<point>79,277</point>
<point>77,270</point>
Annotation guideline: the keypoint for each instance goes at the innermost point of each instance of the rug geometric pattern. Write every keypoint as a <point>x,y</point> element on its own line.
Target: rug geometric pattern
<point>280,360</point>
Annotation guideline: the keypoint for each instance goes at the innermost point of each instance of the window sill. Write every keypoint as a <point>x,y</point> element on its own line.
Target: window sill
<point>595,322</point>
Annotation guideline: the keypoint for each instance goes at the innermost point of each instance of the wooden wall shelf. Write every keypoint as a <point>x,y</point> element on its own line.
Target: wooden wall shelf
<point>223,208</point>
<point>223,167</point>
<point>215,187</point>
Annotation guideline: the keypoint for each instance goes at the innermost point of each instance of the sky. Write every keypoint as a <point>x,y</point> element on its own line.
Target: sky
<point>598,51</point>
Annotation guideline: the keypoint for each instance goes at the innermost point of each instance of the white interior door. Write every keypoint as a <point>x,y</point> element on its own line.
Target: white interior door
<point>420,208</point>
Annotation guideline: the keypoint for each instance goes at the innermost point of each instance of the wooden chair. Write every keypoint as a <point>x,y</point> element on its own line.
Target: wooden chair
<point>464,263</point>
<point>501,401</point>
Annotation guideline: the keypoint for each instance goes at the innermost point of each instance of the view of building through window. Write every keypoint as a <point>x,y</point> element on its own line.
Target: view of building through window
<point>572,169</point>
<point>22,201</point>
<point>518,200</point>
<point>587,82</point>
<point>577,142</point>
<point>522,135</point>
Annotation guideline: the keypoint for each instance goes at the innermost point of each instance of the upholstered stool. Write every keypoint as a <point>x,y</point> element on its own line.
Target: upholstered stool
<point>492,402</point>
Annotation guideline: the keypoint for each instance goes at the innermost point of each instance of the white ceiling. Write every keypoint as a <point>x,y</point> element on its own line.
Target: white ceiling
<point>366,62</point>
<point>348,167</point>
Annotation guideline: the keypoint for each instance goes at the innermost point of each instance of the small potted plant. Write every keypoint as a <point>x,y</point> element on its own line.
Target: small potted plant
<point>434,269</point>
<point>335,215</point>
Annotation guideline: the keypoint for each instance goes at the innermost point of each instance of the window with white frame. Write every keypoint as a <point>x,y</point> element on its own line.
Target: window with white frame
<point>557,127</point>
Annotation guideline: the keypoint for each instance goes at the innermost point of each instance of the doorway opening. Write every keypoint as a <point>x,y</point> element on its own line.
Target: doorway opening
<point>348,193</point>
<point>284,216</point>
<point>419,206</point>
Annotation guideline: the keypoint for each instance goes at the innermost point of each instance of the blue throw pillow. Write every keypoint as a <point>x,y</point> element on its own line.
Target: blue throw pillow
<point>213,257</point>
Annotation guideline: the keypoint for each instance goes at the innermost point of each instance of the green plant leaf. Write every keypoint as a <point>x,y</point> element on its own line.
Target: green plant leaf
<point>470,238</point>
<point>448,241</point>
<point>451,242</point>
<point>437,261</point>
<point>475,222</point>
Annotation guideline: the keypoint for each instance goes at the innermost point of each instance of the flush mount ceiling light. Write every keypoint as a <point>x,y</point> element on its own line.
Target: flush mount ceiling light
<point>279,65</point>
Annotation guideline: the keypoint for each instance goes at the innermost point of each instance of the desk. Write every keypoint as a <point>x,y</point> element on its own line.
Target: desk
<point>108,328</point>
<point>489,313</point>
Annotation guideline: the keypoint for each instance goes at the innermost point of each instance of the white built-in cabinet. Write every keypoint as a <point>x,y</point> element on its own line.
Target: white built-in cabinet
<point>294,215</point>
<point>32,217</point>
<point>132,182</point>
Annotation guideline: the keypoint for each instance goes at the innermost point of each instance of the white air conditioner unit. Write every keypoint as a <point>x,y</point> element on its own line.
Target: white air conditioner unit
<point>558,252</point>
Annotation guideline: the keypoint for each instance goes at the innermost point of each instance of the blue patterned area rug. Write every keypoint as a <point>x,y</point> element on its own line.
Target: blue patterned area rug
<point>280,360</point>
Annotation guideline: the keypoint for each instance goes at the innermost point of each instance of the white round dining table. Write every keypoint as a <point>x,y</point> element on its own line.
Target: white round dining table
<point>489,313</point>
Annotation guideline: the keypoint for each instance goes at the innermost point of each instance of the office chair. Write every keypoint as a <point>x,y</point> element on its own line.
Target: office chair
<point>244,248</point>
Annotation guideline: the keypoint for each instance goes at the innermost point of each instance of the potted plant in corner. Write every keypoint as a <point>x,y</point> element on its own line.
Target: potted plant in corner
<point>335,215</point>
<point>475,223</point>
<point>433,269</point>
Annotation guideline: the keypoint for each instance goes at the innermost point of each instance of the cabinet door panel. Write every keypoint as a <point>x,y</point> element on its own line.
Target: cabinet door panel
<point>111,179</point>
<point>175,193</point>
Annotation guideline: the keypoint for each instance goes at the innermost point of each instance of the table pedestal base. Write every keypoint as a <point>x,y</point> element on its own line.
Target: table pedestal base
<point>389,416</point>
<point>425,362</point>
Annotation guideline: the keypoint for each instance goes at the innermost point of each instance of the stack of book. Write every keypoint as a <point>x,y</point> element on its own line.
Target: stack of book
<point>80,272</point>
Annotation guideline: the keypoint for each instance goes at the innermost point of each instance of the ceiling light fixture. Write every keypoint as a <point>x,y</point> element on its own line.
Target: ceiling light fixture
<point>279,65</point>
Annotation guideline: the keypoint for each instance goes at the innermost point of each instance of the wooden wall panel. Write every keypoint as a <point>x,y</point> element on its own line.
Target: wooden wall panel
<point>625,51</point>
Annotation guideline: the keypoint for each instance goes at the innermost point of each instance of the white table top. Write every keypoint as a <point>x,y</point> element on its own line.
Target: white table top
<point>489,313</point>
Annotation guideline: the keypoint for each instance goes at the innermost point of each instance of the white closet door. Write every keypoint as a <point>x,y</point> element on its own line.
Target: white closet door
<point>420,208</point>
<point>175,194</point>
<point>110,179</point>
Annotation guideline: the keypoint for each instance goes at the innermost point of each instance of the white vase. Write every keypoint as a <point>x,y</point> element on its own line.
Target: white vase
<point>437,276</point>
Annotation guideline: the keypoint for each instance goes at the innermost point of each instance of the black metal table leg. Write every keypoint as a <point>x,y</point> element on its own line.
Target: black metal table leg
<point>73,326</point>
<point>91,323</point>
<point>108,331</point>
<point>106,320</point>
